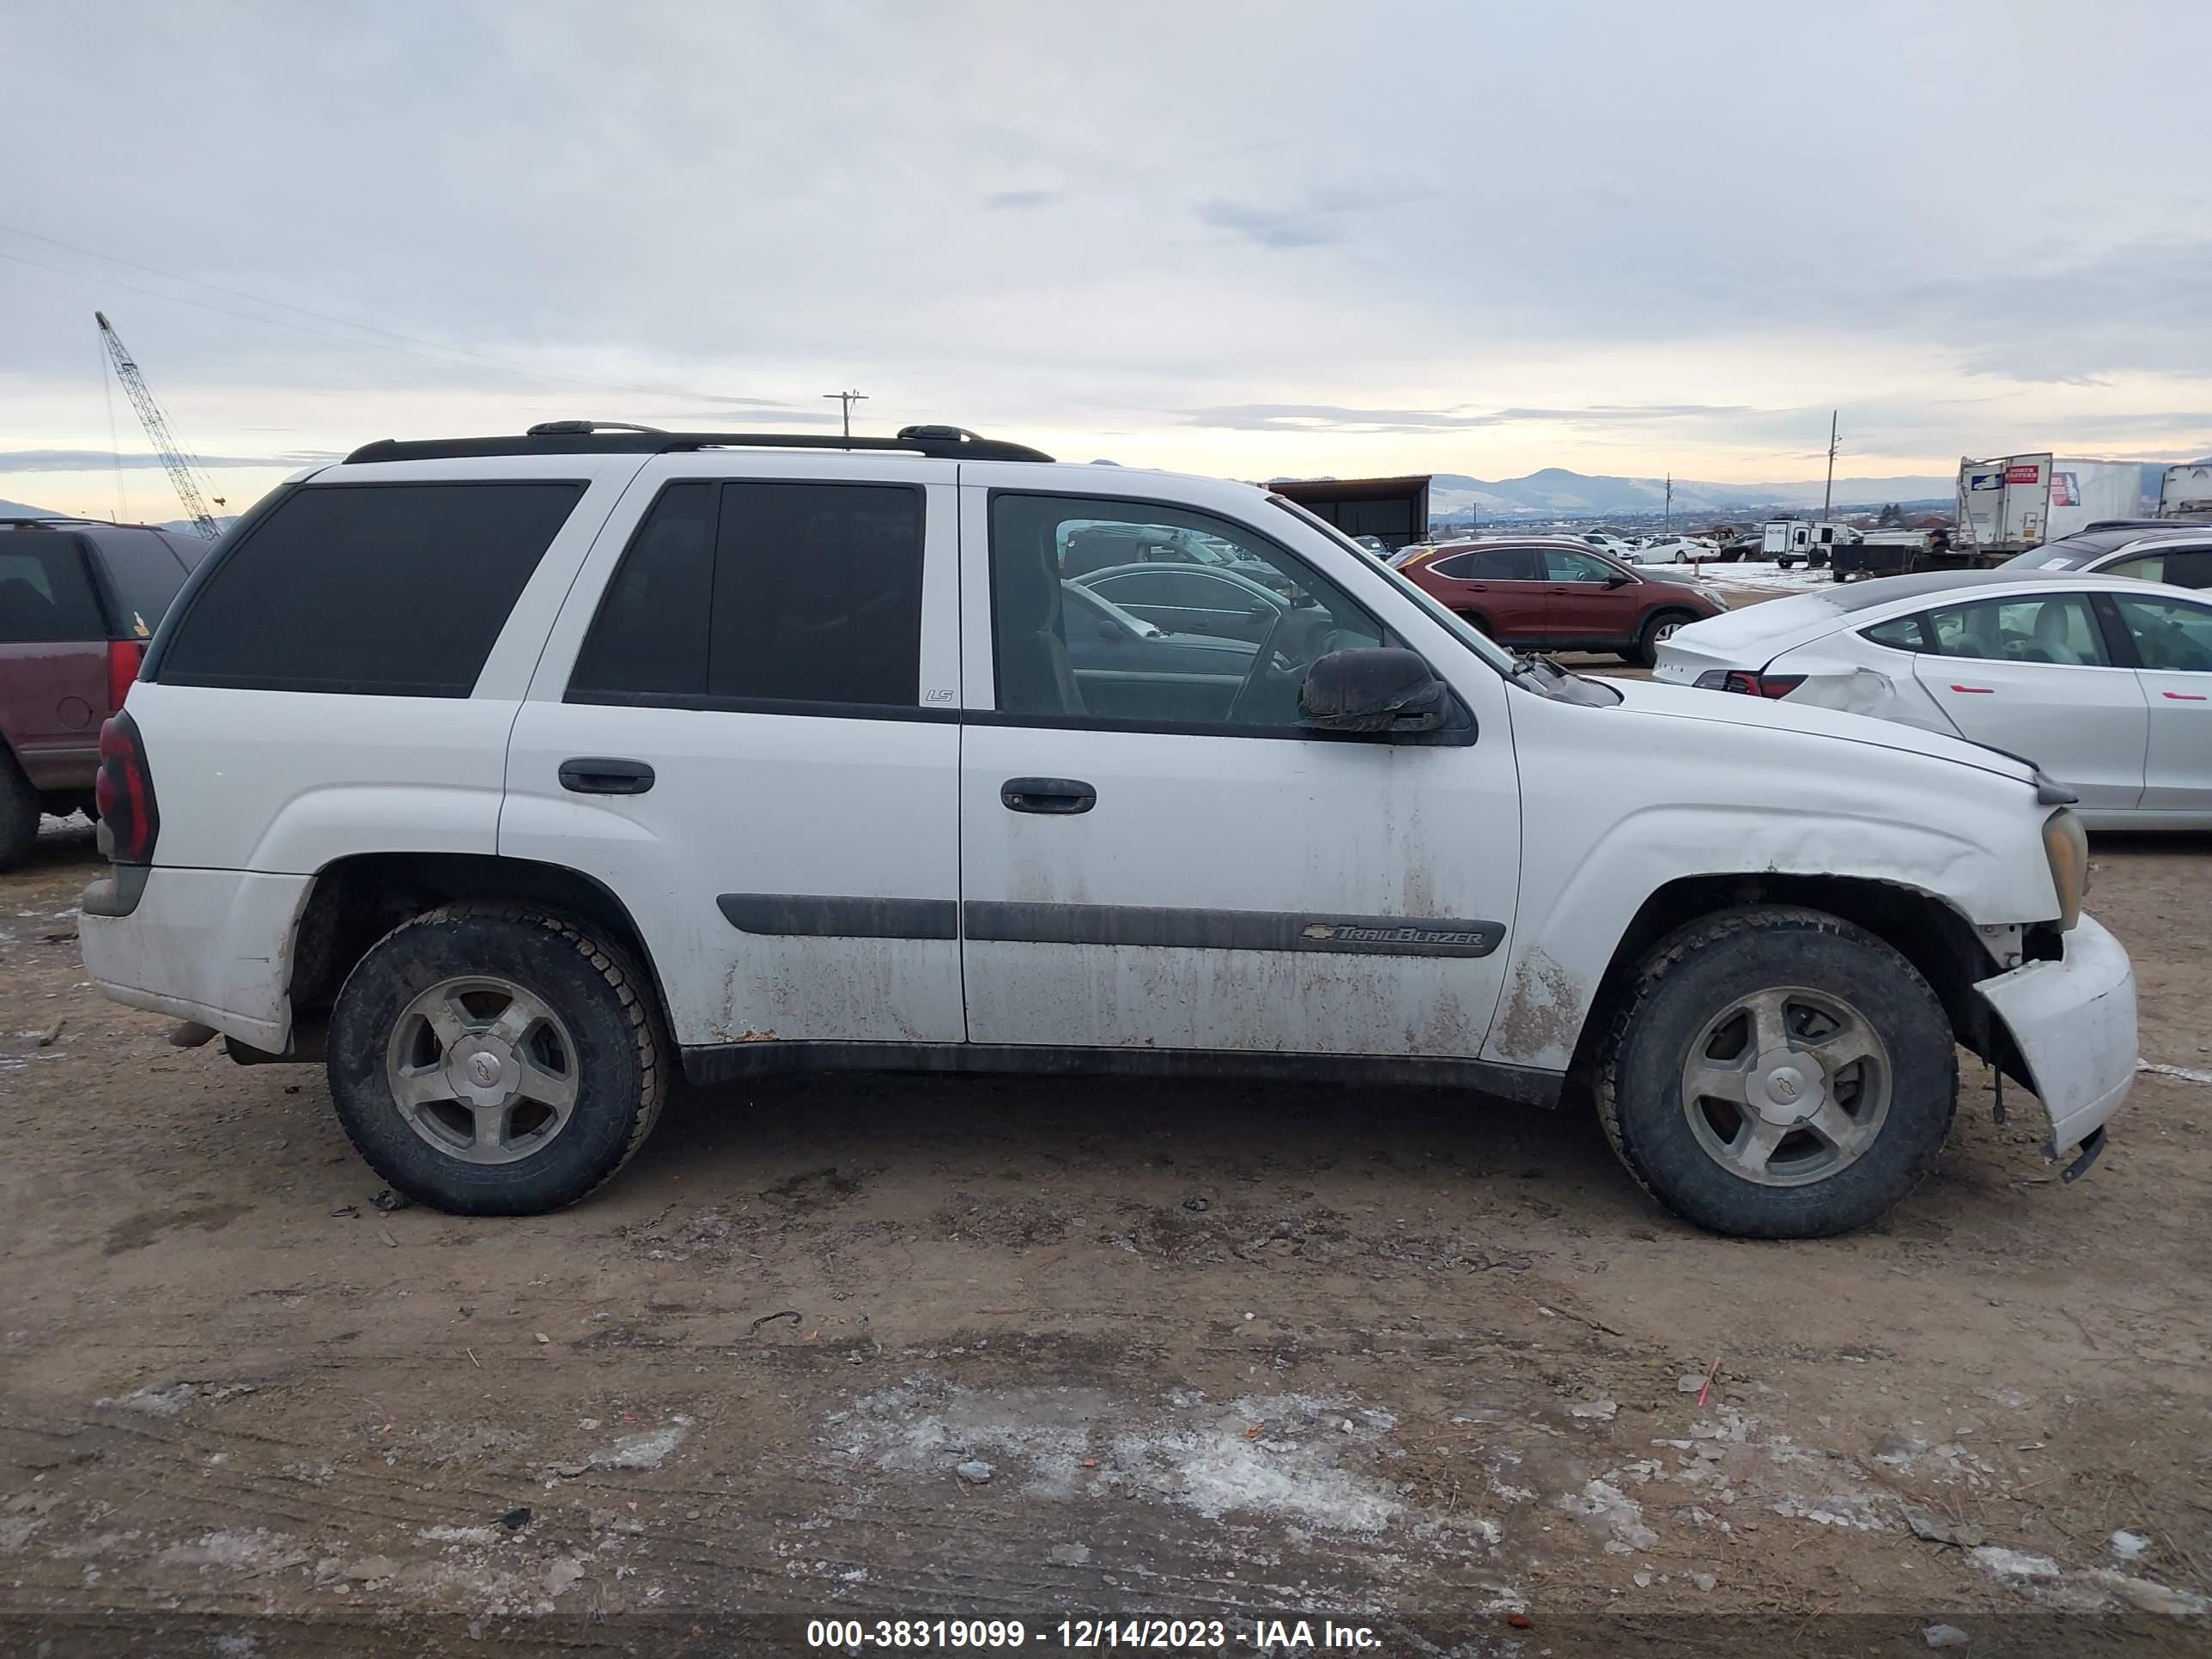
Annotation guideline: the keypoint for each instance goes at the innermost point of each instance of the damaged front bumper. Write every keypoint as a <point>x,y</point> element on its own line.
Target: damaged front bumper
<point>2073,1022</point>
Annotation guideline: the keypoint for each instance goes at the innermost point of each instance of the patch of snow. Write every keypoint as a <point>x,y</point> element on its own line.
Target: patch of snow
<point>443,1535</point>
<point>1622,1516</point>
<point>2129,1545</point>
<point>1275,1455</point>
<point>235,1550</point>
<point>2181,1071</point>
<point>644,1451</point>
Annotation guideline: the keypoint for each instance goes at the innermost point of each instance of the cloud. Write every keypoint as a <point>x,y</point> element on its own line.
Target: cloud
<point>103,461</point>
<point>1266,226</point>
<point>1004,200</point>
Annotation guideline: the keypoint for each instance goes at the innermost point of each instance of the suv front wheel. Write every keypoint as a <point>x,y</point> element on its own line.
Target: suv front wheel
<point>496,1059</point>
<point>1777,1072</point>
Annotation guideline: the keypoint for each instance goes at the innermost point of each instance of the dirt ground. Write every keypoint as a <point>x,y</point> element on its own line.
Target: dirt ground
<point>890,1348</point>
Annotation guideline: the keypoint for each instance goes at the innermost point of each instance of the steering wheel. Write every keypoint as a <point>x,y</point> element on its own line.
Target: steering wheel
<point>1277,652</point>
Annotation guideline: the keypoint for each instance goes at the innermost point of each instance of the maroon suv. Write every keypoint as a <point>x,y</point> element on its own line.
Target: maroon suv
<point>1560,595</point>
<point>78,600</point>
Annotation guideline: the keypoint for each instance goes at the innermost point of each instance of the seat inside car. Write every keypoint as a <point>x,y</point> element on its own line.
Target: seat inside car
<point>1035,677</point>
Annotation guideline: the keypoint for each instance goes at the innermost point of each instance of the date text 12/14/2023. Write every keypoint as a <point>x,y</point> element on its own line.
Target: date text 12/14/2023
<point>1156,1635</point>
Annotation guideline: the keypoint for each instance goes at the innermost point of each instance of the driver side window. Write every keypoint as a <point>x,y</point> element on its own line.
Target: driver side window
<point>1107,613</point>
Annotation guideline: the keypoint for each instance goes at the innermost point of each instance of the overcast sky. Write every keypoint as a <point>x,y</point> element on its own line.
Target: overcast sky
<point>1264,239</point>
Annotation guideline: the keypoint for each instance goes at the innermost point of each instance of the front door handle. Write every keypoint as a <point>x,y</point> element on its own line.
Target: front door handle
<point>595,774</point>
<point>1060,795</point>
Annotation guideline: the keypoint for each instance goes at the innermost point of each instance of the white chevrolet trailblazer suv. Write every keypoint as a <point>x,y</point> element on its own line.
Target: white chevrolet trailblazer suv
<point>510,775</point>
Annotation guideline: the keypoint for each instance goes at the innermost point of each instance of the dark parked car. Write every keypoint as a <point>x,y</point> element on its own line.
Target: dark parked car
<point>1126,668</point>
<point>79,598</point>
<point>1561,596</point>
<point>1191,598</point>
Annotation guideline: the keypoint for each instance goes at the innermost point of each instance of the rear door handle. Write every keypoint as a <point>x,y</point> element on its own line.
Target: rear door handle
<point>1060,795</point>
<point>2184,696</point>
<point>1979,691</point>
<point>596,774</point>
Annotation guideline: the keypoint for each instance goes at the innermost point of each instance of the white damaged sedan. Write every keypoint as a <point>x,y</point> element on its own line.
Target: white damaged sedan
<point>2103,682</point>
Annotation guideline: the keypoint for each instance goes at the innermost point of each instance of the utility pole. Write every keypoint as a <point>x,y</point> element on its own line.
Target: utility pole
<point>847,398</point>
<point>1667,519</point>
<point>1828,495</point>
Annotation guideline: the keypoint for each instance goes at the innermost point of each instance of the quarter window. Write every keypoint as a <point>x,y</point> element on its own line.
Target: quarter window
<point>743,593</point>
<point>2052,627</point>
<point>1900,634</point>
<point>390,590</point>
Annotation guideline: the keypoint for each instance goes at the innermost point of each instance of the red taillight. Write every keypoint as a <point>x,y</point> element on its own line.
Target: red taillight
<point>124,657</point>
<point>1762,686</point>
<point>123,792</point>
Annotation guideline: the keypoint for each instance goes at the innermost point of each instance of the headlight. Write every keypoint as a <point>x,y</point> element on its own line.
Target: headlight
<point>2067,846</point>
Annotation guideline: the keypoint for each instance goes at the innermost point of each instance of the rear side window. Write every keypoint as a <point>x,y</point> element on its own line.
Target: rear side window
<point>144,571</point>
<point>1507,564</point>
<point>740,594</point>
<point>2054,628</point>
<point>45,594</point>
<point>389,590</point>
<point>2190,569</point>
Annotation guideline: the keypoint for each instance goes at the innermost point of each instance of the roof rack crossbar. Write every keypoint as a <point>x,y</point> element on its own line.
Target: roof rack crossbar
<point>615,438</point>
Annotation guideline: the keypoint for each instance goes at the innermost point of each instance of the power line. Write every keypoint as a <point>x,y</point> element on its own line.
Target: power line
<point>455,357</point>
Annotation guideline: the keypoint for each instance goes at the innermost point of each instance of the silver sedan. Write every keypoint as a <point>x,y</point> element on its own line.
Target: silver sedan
<point>2103,682</point>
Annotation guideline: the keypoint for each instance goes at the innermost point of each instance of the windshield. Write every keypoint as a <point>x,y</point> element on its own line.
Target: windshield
<point>1458,627</point>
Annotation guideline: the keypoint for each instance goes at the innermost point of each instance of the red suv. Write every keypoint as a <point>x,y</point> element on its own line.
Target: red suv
<point>1560,595</point>
<point>78,600</point>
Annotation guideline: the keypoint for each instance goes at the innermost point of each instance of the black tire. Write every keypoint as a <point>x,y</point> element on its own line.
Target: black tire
<point>19,813</point>
<point>1698,972</point>
<point>1644,653</point>
<point>608,1035</point>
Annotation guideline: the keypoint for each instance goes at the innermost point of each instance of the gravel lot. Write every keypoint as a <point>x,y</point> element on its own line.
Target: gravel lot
<point>887,1347</point>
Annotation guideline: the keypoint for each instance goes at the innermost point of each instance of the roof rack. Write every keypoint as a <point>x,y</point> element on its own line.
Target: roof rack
<point>619,438</point>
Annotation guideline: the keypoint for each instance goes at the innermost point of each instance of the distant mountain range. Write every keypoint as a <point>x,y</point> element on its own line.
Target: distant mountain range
<point>1554,492</point>
<point>23,510</point>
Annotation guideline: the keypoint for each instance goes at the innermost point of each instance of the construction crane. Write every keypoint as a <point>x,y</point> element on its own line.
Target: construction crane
<point>158,433</point>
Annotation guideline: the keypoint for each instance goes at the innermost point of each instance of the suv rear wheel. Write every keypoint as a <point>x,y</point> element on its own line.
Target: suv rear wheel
<point>494,1060</point>
<point>1777,1072</point>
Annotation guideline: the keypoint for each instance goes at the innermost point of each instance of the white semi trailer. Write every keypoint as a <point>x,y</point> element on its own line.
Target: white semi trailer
<point>2185,493</point>
<point>2013,502</point>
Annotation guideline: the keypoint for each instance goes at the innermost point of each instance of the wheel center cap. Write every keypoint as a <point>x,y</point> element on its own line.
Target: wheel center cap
<point>1784,1086</point>
<point>482,1071</point>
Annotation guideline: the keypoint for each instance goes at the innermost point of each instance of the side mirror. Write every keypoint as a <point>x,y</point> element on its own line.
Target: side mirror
<point>1386,690</point>
<point>1619,579</point>
<point>1108,633</point>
